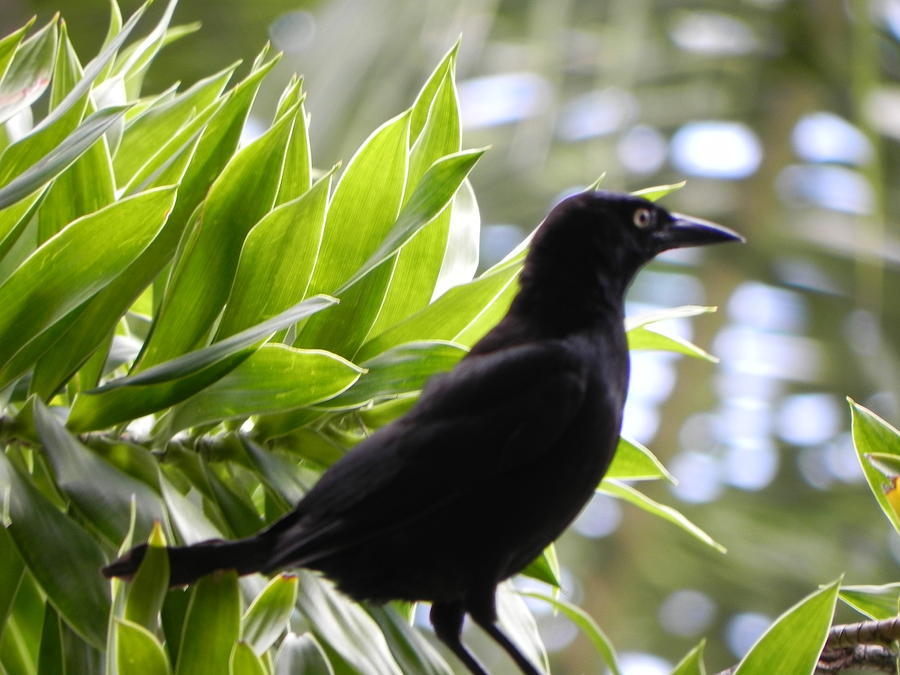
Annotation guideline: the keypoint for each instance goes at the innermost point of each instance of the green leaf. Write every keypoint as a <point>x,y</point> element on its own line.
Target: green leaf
<point>8,47</point>
<point>220,134</point>
<point>277,260</point>
<point>683,312</point>
<point>794,642</point>
<point>432,195</point>
<point>50,658</point>
<point>134,61</point>
<point>87,185</point>
<point>268,616</point>
<point>274,378</point>
<point>99,491</point>
<point>400,370</point>
<point>461,315</point>
<point>692,663</point>
<point>639,499</point>
<point>302,654</point>
<point>211,627</point>
<point>147,590</point>
<point>633,461</point>
<point>876,602</point>
<point>45,539</point>
<point>244,661</point>
<point>206,264</point>
<point>873,435</point>
<point>60,157</point>
<point>138,652</point>
<point>73,265</point>
<point>417,265</point>
<point>587,625</point>
<point>644,338</point>
<point>545,567</point>
<point>150,132</point>
<point>345,626</point>
<point>28,75</point>
<point>12,570</point>
<point>658,192</point>
<point>370,191</point>
<point>422,106</point>
<point>296,177</point>
<point>411,650</point>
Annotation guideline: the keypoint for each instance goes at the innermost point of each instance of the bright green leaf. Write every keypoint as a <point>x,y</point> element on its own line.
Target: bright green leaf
<point>633,461</point>
<point>244,661</point>
<point>148,588</point>
<point>73,265</point>
<point>211,627</point>
<point>277,260</point>
<point>658,192</point>
<point>794,642</point>
<point>644,338</point>
<point>138,652</point>
<point>876,602</point>
<point>873,435</point>
<point>274,378</point>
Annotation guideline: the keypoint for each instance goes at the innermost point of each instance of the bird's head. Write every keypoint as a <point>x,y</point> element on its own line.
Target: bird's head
<point>597,240</point>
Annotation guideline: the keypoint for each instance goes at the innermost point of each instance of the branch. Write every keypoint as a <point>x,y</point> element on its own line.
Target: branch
<point>857,646</point>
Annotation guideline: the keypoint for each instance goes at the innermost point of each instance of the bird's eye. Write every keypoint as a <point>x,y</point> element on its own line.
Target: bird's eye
<point>643,217</point>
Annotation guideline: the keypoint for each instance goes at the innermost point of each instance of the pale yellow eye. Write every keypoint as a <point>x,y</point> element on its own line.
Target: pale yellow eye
<point>643,217</point>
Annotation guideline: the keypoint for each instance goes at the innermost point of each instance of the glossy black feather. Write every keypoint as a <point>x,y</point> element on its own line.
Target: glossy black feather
<point>498,456</point>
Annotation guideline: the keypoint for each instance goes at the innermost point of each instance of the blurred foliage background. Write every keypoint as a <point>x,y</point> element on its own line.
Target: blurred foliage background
<point>784,117</point>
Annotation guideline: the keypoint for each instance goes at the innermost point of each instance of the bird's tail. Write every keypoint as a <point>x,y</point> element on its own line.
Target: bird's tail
<point>189,563</point>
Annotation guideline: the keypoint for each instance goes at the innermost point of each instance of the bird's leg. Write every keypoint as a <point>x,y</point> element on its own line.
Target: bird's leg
<point>485,615</point>
<point>447,619</point>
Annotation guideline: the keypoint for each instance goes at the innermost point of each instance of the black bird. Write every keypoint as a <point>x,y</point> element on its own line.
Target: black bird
<point>498,456</point>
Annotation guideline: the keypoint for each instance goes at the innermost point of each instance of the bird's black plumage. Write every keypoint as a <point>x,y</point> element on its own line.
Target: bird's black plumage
<point>498,456</point>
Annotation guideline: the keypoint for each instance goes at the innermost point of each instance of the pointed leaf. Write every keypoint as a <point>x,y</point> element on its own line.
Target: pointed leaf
<point>204,271</point>
<point>28,75</point>
<point>173,381</point>
<point>794,642</point>
<point>873,435</point>
<point>138,652</point>
<point>76,263</point>
<point>436,189</point>
<point>269,614</point>
<point>639,499</point>
<point>658,192</point>
<point>345,626</point>
<point>463,314</point>
<point>60,157</point>
<point>148,588</point>
<point>587,625</point>
<point>211,626</point>
<point>99,491</point>
<point>370,192</point>
<point>274,378</point>
<point>633,461</point>
<point>244,661</point>
<point>692,663</point>
<point>302,654</point>
<point>400,370</point>
<point>876,602</point>
<point>276,261</point>
<point>644,338</point>
<point>46,539</point>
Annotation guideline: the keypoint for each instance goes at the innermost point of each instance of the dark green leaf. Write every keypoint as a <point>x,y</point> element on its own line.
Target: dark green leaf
<point>46,539</point>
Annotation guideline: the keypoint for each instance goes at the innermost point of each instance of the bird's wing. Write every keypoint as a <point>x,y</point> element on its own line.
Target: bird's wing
<point>489,416</point>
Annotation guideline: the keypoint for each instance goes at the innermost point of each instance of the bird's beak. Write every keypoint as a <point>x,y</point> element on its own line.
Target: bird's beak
<point>685,231</point>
